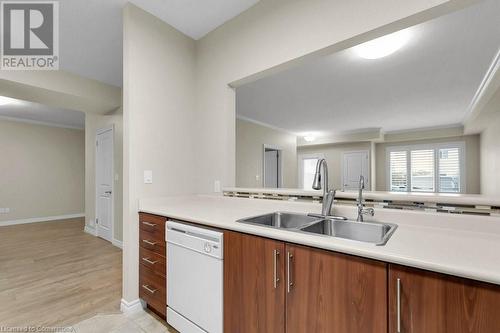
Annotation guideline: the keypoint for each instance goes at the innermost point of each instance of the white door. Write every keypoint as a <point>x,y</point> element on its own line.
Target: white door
<point>104,184</point>
<point>355,164</point>
<point>272,169</point>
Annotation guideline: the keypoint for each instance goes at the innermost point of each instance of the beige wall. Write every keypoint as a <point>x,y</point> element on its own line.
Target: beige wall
<point>41,170</point>
<point>250,140</point>
<point>333,155</point>
<point>92,124</point>
<point>159,130</point>
<point>490,158</point>
<point>472,160</point>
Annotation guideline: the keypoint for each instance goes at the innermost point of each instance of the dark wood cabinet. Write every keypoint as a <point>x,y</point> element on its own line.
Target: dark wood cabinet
<point>328,292</point>
<point>152,262</point>
<point>254,294</point>
<point>437,303</point>
<point>334,293</point>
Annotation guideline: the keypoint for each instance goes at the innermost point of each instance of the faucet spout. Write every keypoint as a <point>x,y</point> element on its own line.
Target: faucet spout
<point>360,204</point>
<point>328,195</point>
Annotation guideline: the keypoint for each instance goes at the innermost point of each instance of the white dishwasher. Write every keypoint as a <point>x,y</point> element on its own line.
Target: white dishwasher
<point>194,278</point>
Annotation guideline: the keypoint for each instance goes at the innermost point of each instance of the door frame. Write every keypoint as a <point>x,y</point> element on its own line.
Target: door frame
<point>280,163</point>
<point>368,180</point>
<point>96,193</point>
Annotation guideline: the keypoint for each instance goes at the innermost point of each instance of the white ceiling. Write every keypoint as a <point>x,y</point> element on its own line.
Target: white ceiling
<point>38,113</point>
<point>91,30</point>
<point>430,82</point>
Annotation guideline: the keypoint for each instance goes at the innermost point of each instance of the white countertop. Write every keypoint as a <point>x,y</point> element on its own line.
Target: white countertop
<point>446,198</point>
<point>461,245</point>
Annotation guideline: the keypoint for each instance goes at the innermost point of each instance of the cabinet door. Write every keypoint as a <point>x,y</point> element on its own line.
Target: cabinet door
<point>436,303</point>
<point>334,293</point>
<point>254,295</point>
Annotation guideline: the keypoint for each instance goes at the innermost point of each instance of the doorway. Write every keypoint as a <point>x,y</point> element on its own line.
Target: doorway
<point>354,165</point>
<point>272,168</point>
<point>104,183</point>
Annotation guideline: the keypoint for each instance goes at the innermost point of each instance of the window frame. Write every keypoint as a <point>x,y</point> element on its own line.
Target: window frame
<point>436,147</point>
<point>300,169</point>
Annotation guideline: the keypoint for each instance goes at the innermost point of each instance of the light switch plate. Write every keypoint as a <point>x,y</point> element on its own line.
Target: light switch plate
<point>217,186</point>
<point>4,210</point>
<point>148,176</point>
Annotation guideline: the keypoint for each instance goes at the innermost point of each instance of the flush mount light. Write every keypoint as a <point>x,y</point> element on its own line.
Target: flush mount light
<point>383,46</point>
<point>309,138</point>
<point>6,100</point>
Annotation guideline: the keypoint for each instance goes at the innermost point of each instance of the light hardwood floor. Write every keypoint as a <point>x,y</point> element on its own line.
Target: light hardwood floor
<point>54,274</point>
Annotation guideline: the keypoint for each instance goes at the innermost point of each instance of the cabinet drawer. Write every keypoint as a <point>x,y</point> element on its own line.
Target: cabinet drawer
<point>152,289</point>
<point>152,223</point>
<point>152,242</point>
<point>152,260</point>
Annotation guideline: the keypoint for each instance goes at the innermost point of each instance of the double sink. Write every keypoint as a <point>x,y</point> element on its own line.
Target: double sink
<point>370,232</point>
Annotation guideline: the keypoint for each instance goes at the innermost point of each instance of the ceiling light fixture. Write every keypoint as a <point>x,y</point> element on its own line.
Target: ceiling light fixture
<point>309,138</point>
<point>383,46</point>
<point>7,100</point>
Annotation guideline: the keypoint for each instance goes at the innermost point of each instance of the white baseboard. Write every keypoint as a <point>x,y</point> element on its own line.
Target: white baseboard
<point>131,307</point>
<point>41,219</point>
<point>117,243</point>
<point>90,230</point>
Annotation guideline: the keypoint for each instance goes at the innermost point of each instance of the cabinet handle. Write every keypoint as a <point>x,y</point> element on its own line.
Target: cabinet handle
<point>276,278</point>
<point>152,291</point>
<point>398,305</point>
<point>149,224</point>
<point>288,272</point>
<point>149,261</point>
<point>149,242</point>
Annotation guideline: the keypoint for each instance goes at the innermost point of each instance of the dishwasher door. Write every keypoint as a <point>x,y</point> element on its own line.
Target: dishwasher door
<point>194,278</point>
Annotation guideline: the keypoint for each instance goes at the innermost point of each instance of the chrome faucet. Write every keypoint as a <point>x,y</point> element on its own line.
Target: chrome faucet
<point>328,195</point>
<point>361,207</point>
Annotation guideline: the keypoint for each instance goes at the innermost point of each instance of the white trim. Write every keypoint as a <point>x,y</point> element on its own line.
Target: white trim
<point>300,166</point>
<point>90,230</point>
<point>368,178</point>
<point>117,243</point>
<point>256,122</point>
<point>98,132</point>
<point>41,123</point>
<point>485,83</point>
<point>131,307</point>
<point>41,219</point>
<point>434,146</point>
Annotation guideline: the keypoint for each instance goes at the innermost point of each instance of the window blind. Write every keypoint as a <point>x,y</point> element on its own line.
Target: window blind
<point>422,170</point>
<point>449,170</point>
<point>399,171</point>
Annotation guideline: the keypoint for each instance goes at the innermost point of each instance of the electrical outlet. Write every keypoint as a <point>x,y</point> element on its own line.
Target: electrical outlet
<point>148,177</point>
<point>4,210</point>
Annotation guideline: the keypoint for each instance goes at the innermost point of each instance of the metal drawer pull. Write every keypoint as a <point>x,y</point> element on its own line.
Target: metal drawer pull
<point>276,279</point>
<point>149,261</point>
<point>149,242</point>
<point>398,304</point>
<point>152,291</point>
<point>149,224</point>
<point>288,272</point>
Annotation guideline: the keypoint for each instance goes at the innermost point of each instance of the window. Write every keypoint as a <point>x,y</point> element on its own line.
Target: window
<point>398,171</point>
<point>427,168</point>
<point>307,169</point>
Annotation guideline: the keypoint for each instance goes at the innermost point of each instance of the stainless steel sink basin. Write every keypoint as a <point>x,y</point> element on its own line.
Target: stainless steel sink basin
<point>377,233</point>
<point>281,220</point>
